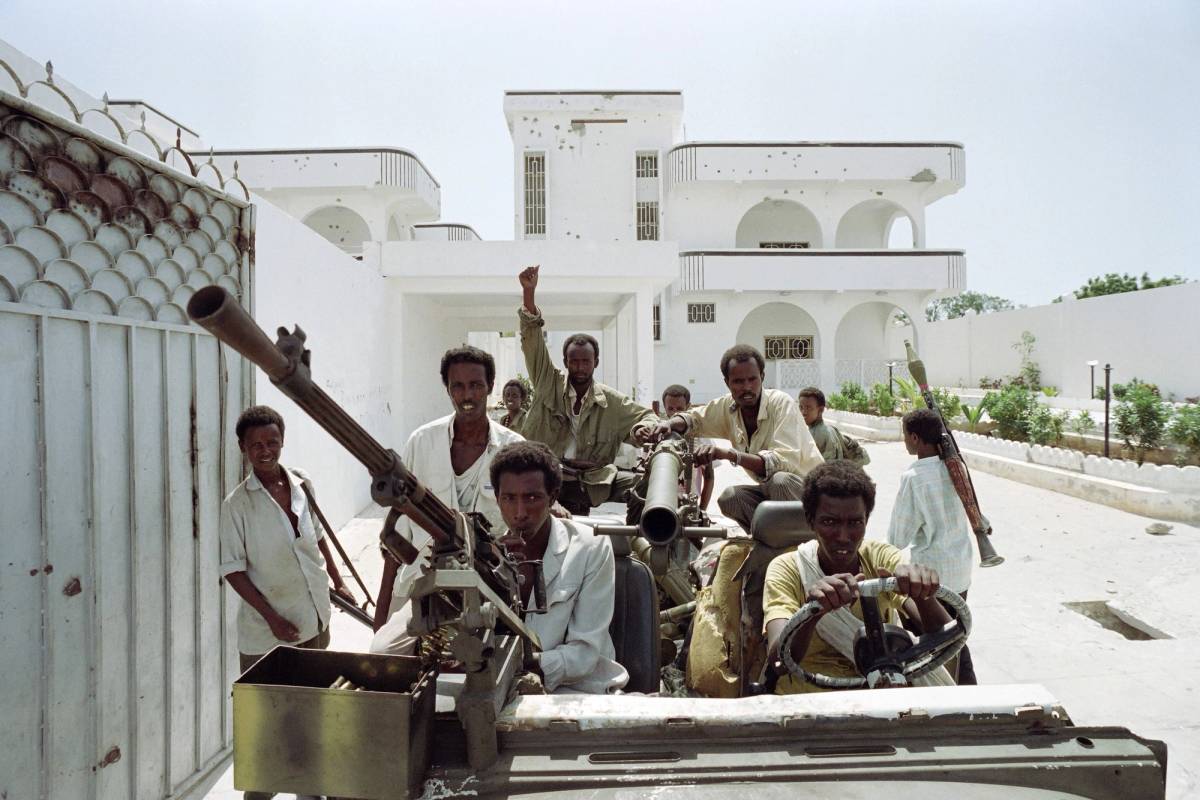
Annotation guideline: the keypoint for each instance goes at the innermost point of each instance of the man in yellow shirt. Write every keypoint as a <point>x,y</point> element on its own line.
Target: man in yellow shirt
<point>838,499</point>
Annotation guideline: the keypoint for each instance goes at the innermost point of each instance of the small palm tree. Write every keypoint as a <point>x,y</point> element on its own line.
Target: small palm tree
<point>974,415</point>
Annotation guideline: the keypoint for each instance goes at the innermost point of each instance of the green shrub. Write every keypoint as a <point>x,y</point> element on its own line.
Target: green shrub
<point>990,383</point>
<point>883,400</point>
<point>910,392</point>
<point>947,401</point>
<point>1082,424</point>
<point>1142,419</point>
<point>1184,429</point>
<point>1012,410</point>
<point>1031,373</point>
<point>1098,394</point>
<point>1121,390</point>
<point>1050,391</point>
<point>989,402</point>
<point>838,402</point>
<point>1046,425</point>
<point>856,399</point>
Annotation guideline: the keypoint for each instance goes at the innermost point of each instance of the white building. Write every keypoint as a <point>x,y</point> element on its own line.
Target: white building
<point>669,250</point>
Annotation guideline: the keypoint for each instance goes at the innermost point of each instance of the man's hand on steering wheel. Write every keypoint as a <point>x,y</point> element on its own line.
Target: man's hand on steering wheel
<point>913,580</point>
<point>834,591</point>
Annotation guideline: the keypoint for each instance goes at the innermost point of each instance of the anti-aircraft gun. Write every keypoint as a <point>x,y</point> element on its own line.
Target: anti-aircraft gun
<point>472,585</point>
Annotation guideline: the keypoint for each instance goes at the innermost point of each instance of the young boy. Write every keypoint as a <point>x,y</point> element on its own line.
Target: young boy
<point>929,516</point>
<point>675,400</point>
<point>833,444</point>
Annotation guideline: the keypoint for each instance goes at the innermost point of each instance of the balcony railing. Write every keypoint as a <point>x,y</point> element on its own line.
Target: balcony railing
<point>817,270</point>
<point>922,162</point>
<point>331,167</point>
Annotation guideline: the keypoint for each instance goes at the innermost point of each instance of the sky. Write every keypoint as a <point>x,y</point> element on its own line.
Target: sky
<point>1081,144</point>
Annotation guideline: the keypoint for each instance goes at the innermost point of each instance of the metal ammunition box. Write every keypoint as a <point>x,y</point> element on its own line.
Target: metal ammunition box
<point>292,733</point>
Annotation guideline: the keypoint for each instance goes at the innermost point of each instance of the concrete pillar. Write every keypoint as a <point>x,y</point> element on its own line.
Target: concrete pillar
<point>643,321</point>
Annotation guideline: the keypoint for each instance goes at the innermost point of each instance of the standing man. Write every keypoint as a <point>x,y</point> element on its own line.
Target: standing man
<point>582,422</point>
<point>577,651</point>
<point>833,444</point>
<point>451,456</point>
<point>273,550</point>
<point>768,439</point>
<point>929,517</point>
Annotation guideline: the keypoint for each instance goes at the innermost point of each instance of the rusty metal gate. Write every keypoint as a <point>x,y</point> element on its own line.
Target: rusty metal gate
<point>116,449</point>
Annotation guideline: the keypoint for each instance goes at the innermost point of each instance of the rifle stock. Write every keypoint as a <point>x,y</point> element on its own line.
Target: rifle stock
<point>960,476</point>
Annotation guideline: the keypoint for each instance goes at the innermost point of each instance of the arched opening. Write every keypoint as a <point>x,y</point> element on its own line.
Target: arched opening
<point>341,226</point>
<point>788,338</point>
<point>778,223</point>
<point>875,224</point>
<point>868,338</point>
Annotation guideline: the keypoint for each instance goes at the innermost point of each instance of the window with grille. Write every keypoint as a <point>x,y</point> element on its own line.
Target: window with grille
<point>647,165</point>
<point>647,222</point>
<point>657,322</point>
<point>535,194</point>
<point>783,245</point>
<point>702,312</point>
<point>785,348</point>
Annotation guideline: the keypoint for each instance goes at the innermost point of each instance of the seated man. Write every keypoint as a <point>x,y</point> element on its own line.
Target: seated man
<point>451,456</point>
<point>675,400</point>
<point>577,566</point>
<point>838,499</point>
<point>582,422</point>
<point>833,444</point>
<point>769,441</point>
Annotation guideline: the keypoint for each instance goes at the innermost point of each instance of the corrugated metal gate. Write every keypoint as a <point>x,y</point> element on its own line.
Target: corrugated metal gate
<point>116,449</point>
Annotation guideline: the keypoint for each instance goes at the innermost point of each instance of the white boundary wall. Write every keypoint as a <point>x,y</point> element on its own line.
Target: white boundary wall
<point>345,309</point>
<point>1152,335</point>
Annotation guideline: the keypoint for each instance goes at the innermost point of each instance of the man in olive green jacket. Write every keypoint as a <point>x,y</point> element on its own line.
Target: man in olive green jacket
<point>583,422</point>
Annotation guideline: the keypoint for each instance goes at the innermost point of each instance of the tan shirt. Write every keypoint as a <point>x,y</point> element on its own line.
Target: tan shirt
<point>782,439</point>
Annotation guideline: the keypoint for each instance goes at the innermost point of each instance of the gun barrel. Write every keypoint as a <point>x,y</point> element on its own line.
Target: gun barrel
<point>215,310</point>
<point>660,517</point>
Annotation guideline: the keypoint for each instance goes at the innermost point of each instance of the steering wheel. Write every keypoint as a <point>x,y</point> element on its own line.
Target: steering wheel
<point>881,648</point>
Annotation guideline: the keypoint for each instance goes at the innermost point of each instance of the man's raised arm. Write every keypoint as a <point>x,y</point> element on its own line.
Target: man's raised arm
<point>542,372</point>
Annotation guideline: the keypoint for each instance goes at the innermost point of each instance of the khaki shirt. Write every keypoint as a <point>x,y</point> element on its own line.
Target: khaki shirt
<point>606,417</point>
<point>828,442</point>
<point>781,439</point>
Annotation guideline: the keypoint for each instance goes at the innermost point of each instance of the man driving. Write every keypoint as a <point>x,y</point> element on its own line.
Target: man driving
<point>838,499</point>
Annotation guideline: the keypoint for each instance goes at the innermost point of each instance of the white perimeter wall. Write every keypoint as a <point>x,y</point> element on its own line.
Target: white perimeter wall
<point>1153,335</point>
<point>344,308</point>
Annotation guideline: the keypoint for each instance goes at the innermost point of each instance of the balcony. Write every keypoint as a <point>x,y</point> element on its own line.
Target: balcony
<point>444,232</point>
<point>397,176</point>
<point>821,270</point>
<point>920,162</point>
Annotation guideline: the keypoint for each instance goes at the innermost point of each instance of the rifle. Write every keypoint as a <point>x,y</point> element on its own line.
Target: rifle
<point>473,585</point>
<point>960,476</point>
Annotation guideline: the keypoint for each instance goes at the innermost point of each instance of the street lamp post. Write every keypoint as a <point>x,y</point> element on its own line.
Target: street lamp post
<point>891,366</point>
<point>1107,397</point>
<point>1093,364</point>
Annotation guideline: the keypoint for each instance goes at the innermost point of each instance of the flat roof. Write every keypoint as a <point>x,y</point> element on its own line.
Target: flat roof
<point>298,151</point>
<point>604,92</point>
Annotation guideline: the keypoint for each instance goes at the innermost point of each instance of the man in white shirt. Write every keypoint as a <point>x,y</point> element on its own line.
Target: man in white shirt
<point>929,516</point>
<point>451,456</point>
<point>577,566</point>
<point>273,551</point>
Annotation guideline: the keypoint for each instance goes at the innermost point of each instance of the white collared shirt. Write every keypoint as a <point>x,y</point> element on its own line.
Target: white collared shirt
<point>288,570</point>
<point>929,517</point>
<point>427,454</point>
<point>580,574</point>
